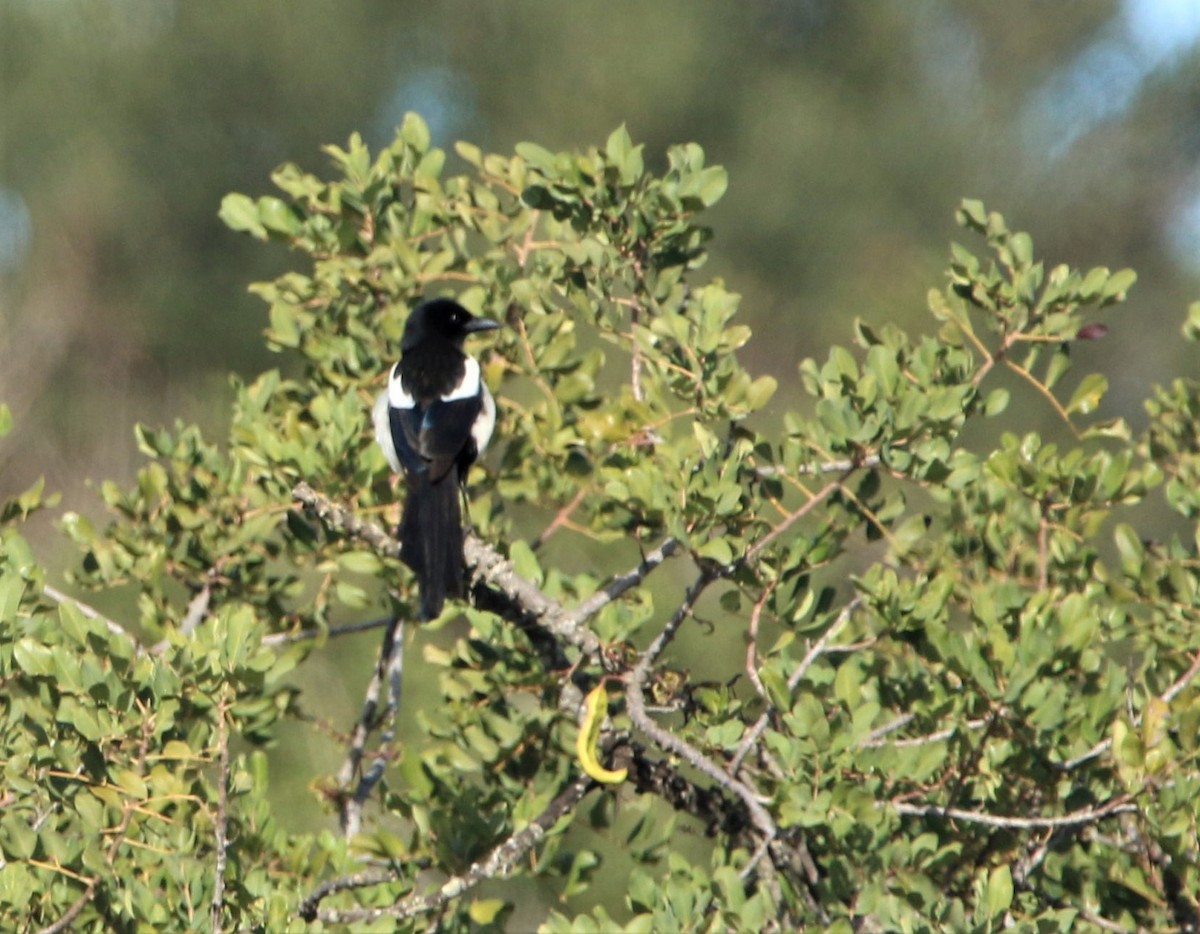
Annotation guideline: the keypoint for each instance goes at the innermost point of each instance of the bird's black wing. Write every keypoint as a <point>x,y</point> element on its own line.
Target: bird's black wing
<point>405,424</point>
<point>432,438</point>
<point>444,438</point>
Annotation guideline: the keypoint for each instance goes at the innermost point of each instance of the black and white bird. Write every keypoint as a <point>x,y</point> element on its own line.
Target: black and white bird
<point>434,420</point>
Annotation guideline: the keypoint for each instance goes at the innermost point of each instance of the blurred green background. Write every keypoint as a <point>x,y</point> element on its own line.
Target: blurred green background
<point>850,131</point>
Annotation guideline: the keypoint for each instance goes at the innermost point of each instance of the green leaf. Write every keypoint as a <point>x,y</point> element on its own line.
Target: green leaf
<point>239,212</point>
<point>1093,282</point>
<point>277,216</point>
<point>1118,284</point>
<point>6,420</point>
<point>624,155</point>
<point>716,549</point>
<point>538,157</point>
<point>1191,327</point>
<point>360,562</point>
<point>33,658</point>
<point>485,910</point>
<point>709,185</point>
<point>760,392</point>
<point>1087,397</point>
<point>999,891</point>
<point>1021,245</point>
<point>996,402</point>
<point>972,213</point>
<point>525,562</point>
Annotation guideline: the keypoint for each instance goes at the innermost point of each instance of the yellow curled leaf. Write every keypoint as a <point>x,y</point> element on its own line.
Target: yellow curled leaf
<point>595,707</point>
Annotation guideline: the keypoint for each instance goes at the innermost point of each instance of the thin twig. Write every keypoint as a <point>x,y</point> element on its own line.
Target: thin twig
<point>793,517</point>
<point>560,518</point>
<point>1103,923</point>
<point>1043,548</point>
<point>635,703</point>
<point>618,586</point>
<point>352,802</point>
<point>118,838</point>
<point>197,609</point>
<point>815,651</point>
<point>91,613</point>
<point>498,864</point>
<point>316,632</point>
<point>1166,697</point>
<point>359,880</point>
<point>221,841</point>
<point>752,643</point>
<point>393,675</point>
<point>1119,805</point>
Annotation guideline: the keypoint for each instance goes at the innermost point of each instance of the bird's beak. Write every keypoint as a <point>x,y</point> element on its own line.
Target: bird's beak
<point>480,324</point>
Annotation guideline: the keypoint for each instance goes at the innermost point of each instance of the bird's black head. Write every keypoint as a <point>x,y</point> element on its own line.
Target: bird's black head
<point>442,319</point>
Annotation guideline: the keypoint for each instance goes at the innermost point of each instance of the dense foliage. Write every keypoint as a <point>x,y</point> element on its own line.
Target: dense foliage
<point>957,686</point>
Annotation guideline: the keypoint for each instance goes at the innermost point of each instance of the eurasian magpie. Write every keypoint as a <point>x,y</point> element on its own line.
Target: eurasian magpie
<point>435,418</point>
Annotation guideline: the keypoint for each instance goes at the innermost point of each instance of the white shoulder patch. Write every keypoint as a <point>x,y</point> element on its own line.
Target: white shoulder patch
<point>485,422</point>
<point>383,431</point>
<point>468,386</point>
<point>397,395</point>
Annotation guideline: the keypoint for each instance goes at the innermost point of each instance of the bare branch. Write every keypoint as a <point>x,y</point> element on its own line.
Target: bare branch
<point>1119,805</point>
<point>521,601</point>
<point>387,670</point>
<point>497,586</point>
<point>619,586</point>
<point>636,707</point>
<point>876,736</point>
<point>344,520</point>
<point>874,740</point>
<point>315,632</point>
<point>495,581</point>
<point>359,880</point>
<point>220,825</point>
<point>91,613</point>
<point>824,467</point>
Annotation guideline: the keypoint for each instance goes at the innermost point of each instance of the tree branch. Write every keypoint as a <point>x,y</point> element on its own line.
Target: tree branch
<point>388,670</point>
<point>495,584</point>
<point>220,825</point>
<point>498,588</point>
<point>815,651</point>
<point>635,701</point>
<point>92,613</point>
<point>315,632</point>
<point>1119,805</point>
<point>621,585</point>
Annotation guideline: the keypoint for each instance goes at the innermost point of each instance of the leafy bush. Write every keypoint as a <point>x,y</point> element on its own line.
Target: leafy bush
<point>957,685</point>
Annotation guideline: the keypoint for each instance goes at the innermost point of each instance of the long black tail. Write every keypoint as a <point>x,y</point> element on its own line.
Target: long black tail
<point>431,539</point>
